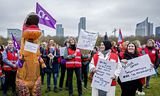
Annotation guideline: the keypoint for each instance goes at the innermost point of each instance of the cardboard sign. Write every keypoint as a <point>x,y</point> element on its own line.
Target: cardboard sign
<point>137,68</point>
<point>104,71</point>
<point>31,47</point>
<point>87,40</point>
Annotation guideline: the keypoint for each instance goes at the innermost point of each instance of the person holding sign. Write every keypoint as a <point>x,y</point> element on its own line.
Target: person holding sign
<point>63,68</point>
<point>105,53</point>
<point>52,65</point>
<point>73,58</point>
<point>129,88</point>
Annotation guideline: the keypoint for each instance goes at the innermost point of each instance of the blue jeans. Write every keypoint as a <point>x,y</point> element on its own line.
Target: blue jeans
<point>55,76</point>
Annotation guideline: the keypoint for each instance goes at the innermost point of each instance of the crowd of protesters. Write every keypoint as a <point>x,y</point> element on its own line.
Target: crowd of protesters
<point>83,64</point>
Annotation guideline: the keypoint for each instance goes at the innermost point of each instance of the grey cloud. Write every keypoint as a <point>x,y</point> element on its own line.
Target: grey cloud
<point>102,15</point>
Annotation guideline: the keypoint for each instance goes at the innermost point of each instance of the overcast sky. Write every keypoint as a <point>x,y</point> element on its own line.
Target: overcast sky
<point>101,15</point>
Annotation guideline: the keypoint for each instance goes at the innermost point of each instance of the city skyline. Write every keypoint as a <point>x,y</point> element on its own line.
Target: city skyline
<point>102,16</point>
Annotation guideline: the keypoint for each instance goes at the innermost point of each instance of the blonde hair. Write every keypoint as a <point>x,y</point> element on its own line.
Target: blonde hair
<point>151,41</point>
<point>69,39</point>
<point>9,41</point>
<point>113,43</point>
<point>137,43</point>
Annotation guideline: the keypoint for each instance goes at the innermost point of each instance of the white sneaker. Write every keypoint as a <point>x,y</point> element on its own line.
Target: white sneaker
<point>141,93</point>
<point>137,91</point>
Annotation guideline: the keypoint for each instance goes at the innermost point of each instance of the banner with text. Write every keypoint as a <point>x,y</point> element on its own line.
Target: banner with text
<point>87,40</point>
<point>104,71</point>
<point>136,68</point>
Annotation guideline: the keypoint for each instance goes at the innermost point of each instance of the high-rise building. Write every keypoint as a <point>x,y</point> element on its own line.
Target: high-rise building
<point>42,32</point>
<point>16,32</point>
<point>82,24</point>
<point>59,30</point>
<point>158,31</point>
<point>144,28</point>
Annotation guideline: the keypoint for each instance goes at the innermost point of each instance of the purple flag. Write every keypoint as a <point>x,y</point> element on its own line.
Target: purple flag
<point>44,17</point>
<point>15,43</point>
<point>158,44</point>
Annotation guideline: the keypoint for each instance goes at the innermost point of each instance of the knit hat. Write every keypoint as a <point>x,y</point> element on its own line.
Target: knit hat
<point>107,44</point>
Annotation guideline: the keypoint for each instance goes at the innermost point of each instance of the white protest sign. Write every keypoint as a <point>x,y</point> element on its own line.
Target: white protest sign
<point>87,40</point>
<point>62,49</point>
<point>31,47</point>
<point>104,71</point>
<point>136,68</point>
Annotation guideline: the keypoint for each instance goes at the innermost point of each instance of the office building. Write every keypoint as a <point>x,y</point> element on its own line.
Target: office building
<point>59,30</point>
<point>144,28</point>
<point>82,24</point>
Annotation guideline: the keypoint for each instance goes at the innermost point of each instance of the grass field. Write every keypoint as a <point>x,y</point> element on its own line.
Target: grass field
<point>153,91</point>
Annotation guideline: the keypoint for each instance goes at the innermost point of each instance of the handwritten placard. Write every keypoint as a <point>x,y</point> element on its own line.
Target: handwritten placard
<point>31,47</point>
<point>87,40</point>
<point>62,49</point>
<point>104,71</point>
<point>136,68</point>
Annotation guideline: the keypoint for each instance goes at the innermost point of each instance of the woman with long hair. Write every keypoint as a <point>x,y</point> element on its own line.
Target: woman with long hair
<point>105,53</point>
<point>129,88</point>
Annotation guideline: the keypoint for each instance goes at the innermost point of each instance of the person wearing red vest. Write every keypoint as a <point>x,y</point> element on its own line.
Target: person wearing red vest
<point>73,58</point>
<point>10,58</point>
<point>129,88</point>
<point>105,53</point>
<point>1,64</point>
<point>153,54</point>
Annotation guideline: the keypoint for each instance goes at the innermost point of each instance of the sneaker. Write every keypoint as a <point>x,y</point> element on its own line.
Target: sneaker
<point>48,89</point>
<point>67,88</point>
<point>147,87</point>
<point>70,94</point>
<point>85,88</point>
<point>4,94</point>
<point>55,90</point>
<point>137,92</point>
<point>141,93</point>
<point>60,89</point>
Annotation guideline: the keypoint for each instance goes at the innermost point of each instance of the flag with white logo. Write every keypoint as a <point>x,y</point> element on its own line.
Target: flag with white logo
<point>44,17</point>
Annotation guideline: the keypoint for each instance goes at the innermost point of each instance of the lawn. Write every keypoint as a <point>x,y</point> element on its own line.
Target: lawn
<point>153,91</point>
